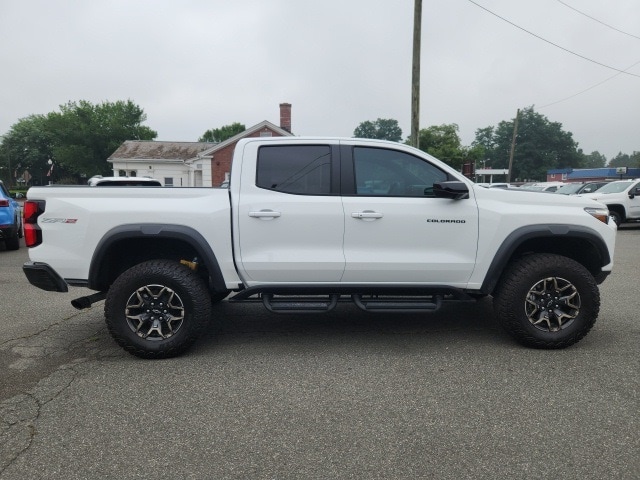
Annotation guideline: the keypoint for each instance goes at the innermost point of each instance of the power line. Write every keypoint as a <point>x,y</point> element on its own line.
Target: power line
<point>599,21</point>
<point>554,44</point>
<point>587,89</point>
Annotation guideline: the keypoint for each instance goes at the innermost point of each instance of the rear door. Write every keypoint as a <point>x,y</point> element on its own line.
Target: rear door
<point>396,231</point>
<point>289,216</point>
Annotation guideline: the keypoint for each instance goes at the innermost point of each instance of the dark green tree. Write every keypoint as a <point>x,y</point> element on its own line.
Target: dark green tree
<point>78,139</point>
<point>26,148</point>
<point>624,160</point>
<point>381,129</point>
<point>541,145</point>
<point>594,160</point>
<point>86,134</point>
<point>223,133</point>
<point>443,142</point>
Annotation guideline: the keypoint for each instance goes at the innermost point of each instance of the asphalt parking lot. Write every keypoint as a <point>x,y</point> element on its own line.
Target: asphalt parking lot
<point>343,395</point>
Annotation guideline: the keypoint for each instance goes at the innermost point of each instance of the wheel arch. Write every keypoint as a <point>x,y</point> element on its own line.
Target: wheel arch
<point>579,243</point>
<point>127,245</point>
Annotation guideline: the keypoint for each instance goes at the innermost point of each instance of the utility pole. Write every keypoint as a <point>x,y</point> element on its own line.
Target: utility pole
<point>513,145</point>
<point>415,74</point>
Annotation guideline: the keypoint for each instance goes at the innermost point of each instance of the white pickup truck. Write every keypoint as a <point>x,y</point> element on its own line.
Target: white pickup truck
<point>622,198</point>
<point>309,222</point>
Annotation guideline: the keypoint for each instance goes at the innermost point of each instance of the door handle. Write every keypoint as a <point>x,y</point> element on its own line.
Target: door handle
<point>265,214</point>
<point>367,214</point>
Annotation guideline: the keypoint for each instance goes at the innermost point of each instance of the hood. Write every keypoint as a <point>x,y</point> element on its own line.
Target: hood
<point>528,197</point>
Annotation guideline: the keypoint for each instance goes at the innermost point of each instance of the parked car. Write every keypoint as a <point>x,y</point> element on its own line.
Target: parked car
<point>100,181</point>
<point>495,185</point>
<point>543,186</point>
<point>622,198</point>
<point>10,219</point>
<point>580,188</point>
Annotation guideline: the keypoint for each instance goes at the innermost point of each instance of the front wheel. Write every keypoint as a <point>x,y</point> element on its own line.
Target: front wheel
<point>157,309</point>
<point>616,217</point>
<point>547,301</point>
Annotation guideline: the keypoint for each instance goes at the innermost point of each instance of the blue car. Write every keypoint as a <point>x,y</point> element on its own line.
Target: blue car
<point>10,220</point>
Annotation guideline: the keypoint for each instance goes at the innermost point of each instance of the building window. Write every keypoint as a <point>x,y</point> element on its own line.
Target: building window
<point>133,173</point>
<point>266,134</point>
<point>168,181</point>
<point>122,173</point>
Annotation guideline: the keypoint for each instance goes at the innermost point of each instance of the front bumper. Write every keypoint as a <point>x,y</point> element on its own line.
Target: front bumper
<point>41,275</point>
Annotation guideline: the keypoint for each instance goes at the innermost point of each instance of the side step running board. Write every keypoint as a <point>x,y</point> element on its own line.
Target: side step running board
<point>398,304</point>
<point>299,304</point>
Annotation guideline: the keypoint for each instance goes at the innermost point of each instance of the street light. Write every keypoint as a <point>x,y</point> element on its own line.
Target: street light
<point>50,172</point>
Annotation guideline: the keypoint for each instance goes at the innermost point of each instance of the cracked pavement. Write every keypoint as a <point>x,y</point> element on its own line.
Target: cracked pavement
<point>342,395</point>
<point>36,369</point>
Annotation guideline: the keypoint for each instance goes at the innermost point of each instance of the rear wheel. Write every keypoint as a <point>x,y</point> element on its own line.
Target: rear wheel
<point>547,301</point>
<point>157,309</point>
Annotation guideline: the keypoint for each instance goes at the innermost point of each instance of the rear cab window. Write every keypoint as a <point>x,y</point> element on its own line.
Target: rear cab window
<point>295,169</point>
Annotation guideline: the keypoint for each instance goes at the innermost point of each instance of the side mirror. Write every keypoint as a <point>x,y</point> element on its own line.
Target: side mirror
<point>634,192</point>
<point>454,190</point>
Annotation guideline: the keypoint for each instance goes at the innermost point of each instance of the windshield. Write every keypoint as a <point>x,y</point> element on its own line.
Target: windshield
<point>615,187</point>
<point>569,189</point>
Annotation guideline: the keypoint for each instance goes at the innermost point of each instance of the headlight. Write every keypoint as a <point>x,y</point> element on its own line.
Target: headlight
<point>601,214</point>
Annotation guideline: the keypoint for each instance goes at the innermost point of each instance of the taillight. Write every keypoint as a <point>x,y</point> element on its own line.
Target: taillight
<point>4,202</point>
<point>32,233</point>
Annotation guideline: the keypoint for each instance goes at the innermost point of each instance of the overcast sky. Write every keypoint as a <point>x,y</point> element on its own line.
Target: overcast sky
<point>199,64</point>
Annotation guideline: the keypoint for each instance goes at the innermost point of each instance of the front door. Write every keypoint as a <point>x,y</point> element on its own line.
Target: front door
<point>396,231</point>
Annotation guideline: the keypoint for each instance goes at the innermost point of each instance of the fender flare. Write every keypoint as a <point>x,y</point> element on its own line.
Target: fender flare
<point>516,238</point>
<point>155,230</point>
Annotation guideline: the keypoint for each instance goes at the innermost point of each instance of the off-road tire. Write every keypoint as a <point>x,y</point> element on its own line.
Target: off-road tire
<point>162,299</point>
<point>531,301</point>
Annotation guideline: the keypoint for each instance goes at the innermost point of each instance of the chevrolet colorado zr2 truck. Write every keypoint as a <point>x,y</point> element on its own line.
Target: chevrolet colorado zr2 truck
<point>307,223</point>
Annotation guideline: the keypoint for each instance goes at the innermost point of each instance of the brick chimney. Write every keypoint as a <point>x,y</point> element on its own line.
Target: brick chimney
<point>285,116</point>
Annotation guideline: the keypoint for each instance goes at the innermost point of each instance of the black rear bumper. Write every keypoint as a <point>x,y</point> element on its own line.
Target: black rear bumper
<point>41,275</point>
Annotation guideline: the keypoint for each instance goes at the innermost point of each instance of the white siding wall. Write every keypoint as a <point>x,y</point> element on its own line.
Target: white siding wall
<point>183,175</point>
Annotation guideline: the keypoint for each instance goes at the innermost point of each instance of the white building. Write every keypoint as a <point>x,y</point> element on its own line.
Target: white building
<point>175,164</point>
<point>190,164</point>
